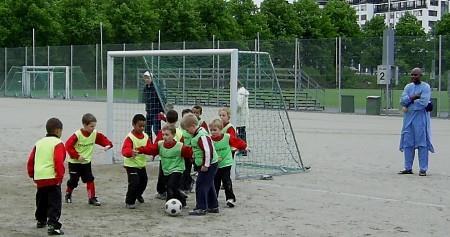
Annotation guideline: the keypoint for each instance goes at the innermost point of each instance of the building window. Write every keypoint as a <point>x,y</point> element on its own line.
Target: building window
<point>363,8</point>
<point>432,13</point>
<point>431,24</point>
<point>363,17</point>
<point>434,2</point>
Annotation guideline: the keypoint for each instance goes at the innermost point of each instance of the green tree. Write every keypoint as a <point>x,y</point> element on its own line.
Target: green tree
<point>312,20</point>
<point>442,27</point>
<point>408,25</point>
<point>343,17</point>
<point>372,44</point>
<point>250,20</point>
<point>281,18</point>
<point>374,27</point>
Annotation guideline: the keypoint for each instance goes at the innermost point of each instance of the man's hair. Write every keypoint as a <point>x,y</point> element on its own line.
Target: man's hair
<point>172,116</point>
<point>137,118</point>
<point>88,118</point>
<point>171,128</point>
<point>216,123</point>
<point>189,120</point>
<point>226,109</point>
<point>185,111</point>
<point>53,124</point>
<point>198,107</point>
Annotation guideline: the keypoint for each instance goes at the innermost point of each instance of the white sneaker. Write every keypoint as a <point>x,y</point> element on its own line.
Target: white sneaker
<point>230,203</point>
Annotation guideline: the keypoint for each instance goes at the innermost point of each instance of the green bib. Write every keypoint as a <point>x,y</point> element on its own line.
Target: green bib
<point>198,153</point>
<point>187,137</point>
<point>224,129</point>
<point>171,160</point>
<point>223,150</point>
<point>178,134</point>
<point>140,160</point>
<point>44,166</point>
<point>84,146</point>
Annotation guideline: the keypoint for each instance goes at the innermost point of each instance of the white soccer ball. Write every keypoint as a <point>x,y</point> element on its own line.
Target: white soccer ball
<point>173,207</point>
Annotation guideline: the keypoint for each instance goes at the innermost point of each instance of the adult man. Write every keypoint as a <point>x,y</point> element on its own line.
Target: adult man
<point>153,105</point>
<point>242,111</point>
<point>416,131</point>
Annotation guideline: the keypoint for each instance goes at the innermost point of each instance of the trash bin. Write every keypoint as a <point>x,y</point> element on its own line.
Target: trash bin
<point>373,105</point>
<point>347,104</point>
<point>435,106</point>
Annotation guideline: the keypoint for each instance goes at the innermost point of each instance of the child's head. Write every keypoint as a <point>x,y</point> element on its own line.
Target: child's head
<point>197,110</point>
<point>185,111</point>
<point>215,127</point>
<point>89,122</point>
<point>54,126</point>
<point>172,116</point>
<point>224,114</point>
<point>189,122</point>
<point>168,132</point>
<point>138,123</point>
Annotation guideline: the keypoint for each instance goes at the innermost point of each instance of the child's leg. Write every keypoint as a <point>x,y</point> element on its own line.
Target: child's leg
<point>217,181</point>
<point>74,176</point>
<point>133,185</point>
<point>201,190</point>
<point>161,184</point>
<point>148,125</point>
<point>54,206</point>
<point>211,193</point>
<point>88,178</point>
<point>41,205</point>
<point>173,188</point>
<point>227,183</point>
<point>186,179</point>
<point>143,180</point>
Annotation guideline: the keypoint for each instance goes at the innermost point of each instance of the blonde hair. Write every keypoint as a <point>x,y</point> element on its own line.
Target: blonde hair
<point>216,123</point>
<point>189,120</point>
<point>227,110</point>
<point>169,127</point>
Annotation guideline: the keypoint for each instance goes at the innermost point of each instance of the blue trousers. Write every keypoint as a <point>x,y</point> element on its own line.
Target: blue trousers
<point>409,153</point>
<point>205,192</point>
<point>152,121</point>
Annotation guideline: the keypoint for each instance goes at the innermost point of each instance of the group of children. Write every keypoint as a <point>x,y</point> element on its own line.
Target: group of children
<point>209,149</point>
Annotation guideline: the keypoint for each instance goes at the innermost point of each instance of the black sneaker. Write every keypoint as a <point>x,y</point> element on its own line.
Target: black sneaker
<point>93,201</point>
<point>53,231</point>
<point>422,173</point>
<point>230,203</point>
<point>405,172</point>
<point>41,224</point>
<point>213,210</point>
<point>68,198</point>
<point>197,212</point>
<point>140,199</point>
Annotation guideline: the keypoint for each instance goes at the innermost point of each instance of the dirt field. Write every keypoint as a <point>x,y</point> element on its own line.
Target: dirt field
<point>351,190</point>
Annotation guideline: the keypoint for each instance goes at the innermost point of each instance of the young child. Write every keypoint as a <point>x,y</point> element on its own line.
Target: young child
<point>187,183</point>
<point>171,153</point>
<point>223,144</point>
<point>135,162</point>
<point>46,167</point>
<point>198,110</point>
<point>224,114</point>
<point>80,147</point>
<point>205,156</point>
<point>171,119</point>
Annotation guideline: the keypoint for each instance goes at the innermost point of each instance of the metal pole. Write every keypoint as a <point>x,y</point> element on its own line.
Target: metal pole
<point>96,71</point>
<point>6,69</point>
<point>110,107</point>
<point>340,72</point>
<point>259,64</point>
<point>48,63</point>
<point>440,75</point>
<point>254,74</point>
<point>184,73</point>
<point>218,73</point>
<point>159,48</point>
<point>123,73</point>
<point>337,62</point>
<point>71,73</point>
<point>101,52</point>
<point>295,74</point>
<point>213,60</point>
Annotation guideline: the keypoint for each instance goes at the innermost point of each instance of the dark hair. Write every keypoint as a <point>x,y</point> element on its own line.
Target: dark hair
<point>88,118</point>
<point>198,107</point>
<point>53,124</point>
<point>185,111</point>
<point>172,116</point>
<point>137,118</point>
<point>170,128</point>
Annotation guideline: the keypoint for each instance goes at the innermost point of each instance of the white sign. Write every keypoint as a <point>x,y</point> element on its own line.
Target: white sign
<point>383,75</point>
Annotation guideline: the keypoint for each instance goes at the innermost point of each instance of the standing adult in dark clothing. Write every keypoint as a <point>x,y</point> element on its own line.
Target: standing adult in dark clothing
<point>153,105</point>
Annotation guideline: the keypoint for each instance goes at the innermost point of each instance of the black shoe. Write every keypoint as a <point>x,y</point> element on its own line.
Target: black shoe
<point>140,199</point>
<point>53,231</point>
<point>231,203</point>
<point>405,172</point>
<point>93,201</point>
<point>197,212</point>
<point>422,173</point>
<point>40,224</point>
<point>68,198</point>
<point>213,210</point>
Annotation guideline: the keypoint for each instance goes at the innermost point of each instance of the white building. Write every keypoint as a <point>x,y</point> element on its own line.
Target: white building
<point>428,12</point>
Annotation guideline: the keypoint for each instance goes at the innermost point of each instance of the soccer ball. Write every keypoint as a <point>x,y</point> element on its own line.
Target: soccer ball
<point>173,207</point>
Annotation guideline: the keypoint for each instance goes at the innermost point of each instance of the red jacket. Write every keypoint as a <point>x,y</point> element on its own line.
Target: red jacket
<point>127,147</point>
<point>231,131</point>
<point>100,139</point>
<point>205,126</point>
<point>153,149</point>
<point>59,156</point>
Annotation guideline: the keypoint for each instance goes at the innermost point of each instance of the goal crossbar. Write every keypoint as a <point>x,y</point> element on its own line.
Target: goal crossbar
<point>234,63</point>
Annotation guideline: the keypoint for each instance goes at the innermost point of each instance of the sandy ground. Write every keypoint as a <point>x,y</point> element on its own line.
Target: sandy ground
<point>351,190</point>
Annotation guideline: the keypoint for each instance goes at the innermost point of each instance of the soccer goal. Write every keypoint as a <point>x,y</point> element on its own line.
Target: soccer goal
<point>207,77</point>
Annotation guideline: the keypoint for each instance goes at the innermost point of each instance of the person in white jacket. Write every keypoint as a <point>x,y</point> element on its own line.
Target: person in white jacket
<point>242,112</point>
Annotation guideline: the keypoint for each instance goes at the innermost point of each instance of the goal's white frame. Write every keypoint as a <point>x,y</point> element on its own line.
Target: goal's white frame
<point>26,78</point>
<point>234,57</point>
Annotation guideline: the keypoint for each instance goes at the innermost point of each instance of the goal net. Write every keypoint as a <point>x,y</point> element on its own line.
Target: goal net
<point>206,77</point>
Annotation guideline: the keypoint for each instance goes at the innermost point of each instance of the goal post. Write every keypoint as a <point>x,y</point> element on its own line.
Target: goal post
<point>31,73</point>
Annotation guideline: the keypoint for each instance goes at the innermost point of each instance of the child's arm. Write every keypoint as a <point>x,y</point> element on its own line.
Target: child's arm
<point>149,149</point>
<point>231,131</point>
<point>205,126</point>
<point>127,148</point>
<point>30,163</point>
<point>186,152</point>
<point>70,147</point>
<point>238,143</point>
<point>206,145</point>
<point>159,137</point>
<point>103,141</point>
<point>59,155</point>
